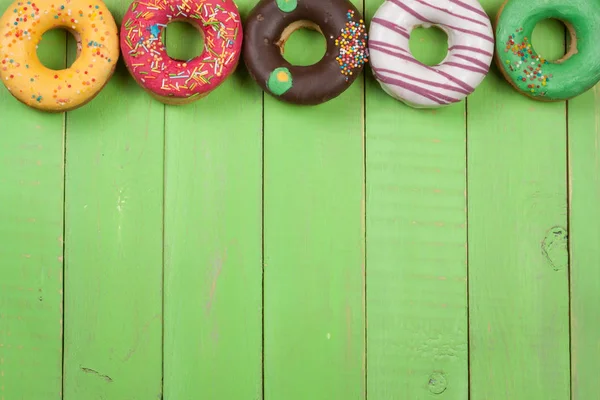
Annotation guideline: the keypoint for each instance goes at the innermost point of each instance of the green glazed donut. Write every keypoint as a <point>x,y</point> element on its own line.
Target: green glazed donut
<point>529,72</point>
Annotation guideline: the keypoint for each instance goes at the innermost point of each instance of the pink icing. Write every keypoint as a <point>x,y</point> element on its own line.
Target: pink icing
<point>147,59</point>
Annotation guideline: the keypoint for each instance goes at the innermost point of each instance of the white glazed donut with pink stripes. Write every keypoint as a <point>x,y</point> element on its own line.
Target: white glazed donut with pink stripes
<point>470,50</point>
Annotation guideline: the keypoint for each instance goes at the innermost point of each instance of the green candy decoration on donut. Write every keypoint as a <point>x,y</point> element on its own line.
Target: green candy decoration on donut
<point>280,81</point>
<point>527,70</point>
<point>287,5</point>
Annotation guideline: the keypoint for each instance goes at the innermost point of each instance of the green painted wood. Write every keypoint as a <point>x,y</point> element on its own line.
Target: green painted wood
<point>31,242</point>
<point>416,242</point>
<point>316,205</point>
<point>113,271</point>
<point>518,260</point>
<point>213,238</point>
<point>314,244</point>
<point>584,237</point>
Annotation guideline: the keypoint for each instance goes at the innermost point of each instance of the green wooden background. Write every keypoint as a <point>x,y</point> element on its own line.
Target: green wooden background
<point>240,248</point>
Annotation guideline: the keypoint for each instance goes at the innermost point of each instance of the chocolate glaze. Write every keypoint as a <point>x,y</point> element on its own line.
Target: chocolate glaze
<point>314,84</point>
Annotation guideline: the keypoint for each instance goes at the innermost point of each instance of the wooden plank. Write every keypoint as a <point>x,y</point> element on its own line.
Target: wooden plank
<point>518,262</point>
<point>213,239</point>
<point>113,271</point>
<point>584,236</point>
<point>314,243</point>
<point>416,239</point>
<point>31,242</point>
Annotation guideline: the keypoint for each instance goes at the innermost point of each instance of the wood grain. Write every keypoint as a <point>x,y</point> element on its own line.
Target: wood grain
<point>518,261</point>
<point>31,242</point>
<point>114,200</point>
<point>213,238</point>
<point>584,237</point>
<point>314,244</point>
<point>359,193</point>
<point>416,242</point>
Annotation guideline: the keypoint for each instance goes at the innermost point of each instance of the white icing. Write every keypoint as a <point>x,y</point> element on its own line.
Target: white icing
<point>470,50</point>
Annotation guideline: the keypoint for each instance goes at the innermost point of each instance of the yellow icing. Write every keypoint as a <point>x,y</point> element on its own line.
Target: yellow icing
<point>282,76</point>
<point>21,30</point>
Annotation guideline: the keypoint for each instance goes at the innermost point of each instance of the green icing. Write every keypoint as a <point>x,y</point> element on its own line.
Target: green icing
<point>287,5</point>
<point>280,81</point>
<point>528,70</point>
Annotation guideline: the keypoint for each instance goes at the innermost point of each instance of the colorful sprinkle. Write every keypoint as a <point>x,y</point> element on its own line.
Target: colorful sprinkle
<point>146,56</point>
<point>25,20</point>
<point>155,30</point>
<point>353,46</point>
<point>527,65</point>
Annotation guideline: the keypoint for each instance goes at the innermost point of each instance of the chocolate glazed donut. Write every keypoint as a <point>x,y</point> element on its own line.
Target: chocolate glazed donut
<point>271,23</point>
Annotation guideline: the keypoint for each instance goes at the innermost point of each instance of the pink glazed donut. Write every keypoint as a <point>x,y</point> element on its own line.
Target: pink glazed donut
<point>177,81</point>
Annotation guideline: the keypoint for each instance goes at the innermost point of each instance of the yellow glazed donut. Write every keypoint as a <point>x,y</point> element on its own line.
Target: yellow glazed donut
<point>21,30</point>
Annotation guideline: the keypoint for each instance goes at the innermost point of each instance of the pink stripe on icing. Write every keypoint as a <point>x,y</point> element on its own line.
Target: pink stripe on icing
<point>392,26</point>
<point>146,57</point>
<point>424,19</point>
<point>397,55</point>
<point>467,67</point>
<point>473,49</point>
<point>410,11</point>
<point>451,13</point>
<point>470,8</point>
<point>391,46</point>
<point>470,32</point>
<point>427,82</point>
<point>474,61</point>
<point>434,96</point>
<point>414,61</point>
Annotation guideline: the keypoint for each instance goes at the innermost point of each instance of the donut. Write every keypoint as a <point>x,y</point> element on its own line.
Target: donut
<point>528,71</point>
<point>269,26</point>
<point>181,81</point>
<point>470,50</point>
<point>28,80</point>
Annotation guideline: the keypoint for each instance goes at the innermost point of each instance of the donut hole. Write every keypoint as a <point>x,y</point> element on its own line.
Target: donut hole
<point>183,40</point>
<point>52,40</point>
<point>550,42</point>
<point>429,45</point>
<point>302,43</point>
